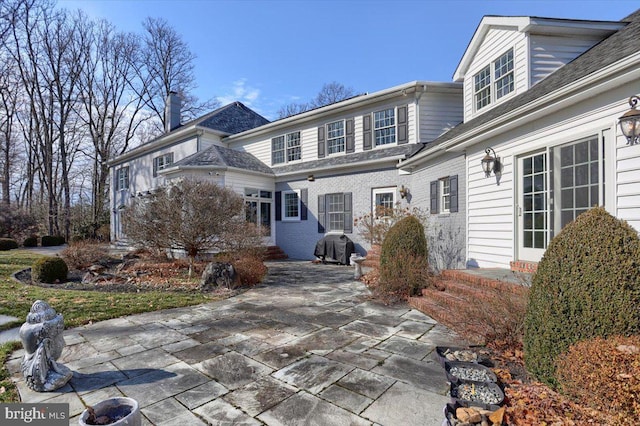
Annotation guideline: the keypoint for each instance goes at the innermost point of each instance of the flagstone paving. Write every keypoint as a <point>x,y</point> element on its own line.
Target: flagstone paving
<point>308,347</point>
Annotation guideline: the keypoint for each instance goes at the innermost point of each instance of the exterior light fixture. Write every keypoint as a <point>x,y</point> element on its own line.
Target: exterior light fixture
<point>404,192</point>
<point>630,122</point>
<point>311,178</point>
<point>490,163</point>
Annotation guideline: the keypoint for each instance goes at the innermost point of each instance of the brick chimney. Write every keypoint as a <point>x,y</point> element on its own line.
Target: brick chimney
<point>172,112</point>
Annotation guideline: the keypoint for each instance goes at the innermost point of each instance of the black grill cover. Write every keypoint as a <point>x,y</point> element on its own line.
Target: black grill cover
<point>336,247</point>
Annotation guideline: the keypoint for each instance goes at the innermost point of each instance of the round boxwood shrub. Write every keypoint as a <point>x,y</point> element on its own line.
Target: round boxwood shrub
<point>404,267</point>
<point>30,242</point>
<point>49,270</point>
<point>587,285</point>
<point>8,244</point>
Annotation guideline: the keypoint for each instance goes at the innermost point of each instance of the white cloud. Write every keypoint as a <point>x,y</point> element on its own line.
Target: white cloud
<point>240,91</point>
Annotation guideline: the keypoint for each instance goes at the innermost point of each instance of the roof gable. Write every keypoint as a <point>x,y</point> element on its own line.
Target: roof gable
<point>533,25</point>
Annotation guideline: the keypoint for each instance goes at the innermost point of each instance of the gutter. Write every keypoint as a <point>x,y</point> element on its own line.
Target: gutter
<point>174,170</point>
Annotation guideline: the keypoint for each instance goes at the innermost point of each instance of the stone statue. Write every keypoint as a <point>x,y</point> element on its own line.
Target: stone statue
<point>43,342</point>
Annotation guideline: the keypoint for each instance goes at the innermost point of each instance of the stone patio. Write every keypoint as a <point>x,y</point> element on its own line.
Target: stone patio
<point>306,347</point>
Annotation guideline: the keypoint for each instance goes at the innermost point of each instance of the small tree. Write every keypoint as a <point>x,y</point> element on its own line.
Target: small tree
<point>193,216</point>
<point>374,226</point>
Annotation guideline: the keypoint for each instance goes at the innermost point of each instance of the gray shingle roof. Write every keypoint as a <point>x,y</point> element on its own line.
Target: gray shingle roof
<point>619,45</point>
<point>354,158</point>
<point>232,118</point>
<point>218,156</point>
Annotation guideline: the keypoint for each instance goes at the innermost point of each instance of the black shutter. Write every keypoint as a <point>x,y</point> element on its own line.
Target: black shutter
<point>350,140</point>
<point>321,142</point>
<point>434,197</point>
<point>321,214</point>
<point>366,132</point>
<point>278,205</point>
<point>304,195</point>
<point>348,213</point>
<point>453,194</point>
<point>402,125</point>
<point>155,167</point>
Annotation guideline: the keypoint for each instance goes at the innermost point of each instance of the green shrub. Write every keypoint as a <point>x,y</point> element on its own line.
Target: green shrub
<point>404,268</point>
<point>49,270</point>
<point>604,374</point>
<point>52,240</point>
<point>8,244</point>
<point>587,285</point>
<point>30,241</point>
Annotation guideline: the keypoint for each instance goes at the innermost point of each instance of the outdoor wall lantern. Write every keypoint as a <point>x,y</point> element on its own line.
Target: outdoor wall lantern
<point>630,122</point>
<point>311,178</point>
<point>490,163</point>
<point>404,192</point>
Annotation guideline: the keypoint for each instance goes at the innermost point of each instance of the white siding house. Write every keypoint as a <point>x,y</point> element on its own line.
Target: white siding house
<point>557,137</point>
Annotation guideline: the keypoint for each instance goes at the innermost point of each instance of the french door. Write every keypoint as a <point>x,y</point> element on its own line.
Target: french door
<point>533,206</point>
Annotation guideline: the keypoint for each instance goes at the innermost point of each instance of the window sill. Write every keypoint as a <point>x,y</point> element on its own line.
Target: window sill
<point>291,219</point>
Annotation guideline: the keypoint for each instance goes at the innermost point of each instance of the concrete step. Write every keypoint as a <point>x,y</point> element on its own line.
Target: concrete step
<point>10,335</point>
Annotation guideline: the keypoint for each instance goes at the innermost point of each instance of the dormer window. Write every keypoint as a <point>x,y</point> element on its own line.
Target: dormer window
<point>502,71</point>
<point>503,67</point>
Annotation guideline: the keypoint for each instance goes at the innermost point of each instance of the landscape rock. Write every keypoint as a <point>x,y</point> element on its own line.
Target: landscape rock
<point>217,274</point>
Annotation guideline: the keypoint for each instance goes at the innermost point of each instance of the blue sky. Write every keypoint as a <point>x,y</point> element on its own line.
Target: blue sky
<point>270,53</point>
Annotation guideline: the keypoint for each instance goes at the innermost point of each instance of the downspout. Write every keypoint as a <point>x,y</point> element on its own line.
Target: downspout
<point>417,117</point>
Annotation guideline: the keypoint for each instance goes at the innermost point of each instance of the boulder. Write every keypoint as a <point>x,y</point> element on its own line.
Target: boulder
<point>217,274</point>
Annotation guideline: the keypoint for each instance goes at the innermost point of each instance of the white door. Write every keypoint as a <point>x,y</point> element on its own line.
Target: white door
<point>533,206</point>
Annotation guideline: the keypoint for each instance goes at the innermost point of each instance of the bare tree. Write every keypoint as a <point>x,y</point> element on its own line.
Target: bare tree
<point>109,110</point>
<point>330,93</point>
<point>166,64</point>
<point>190,215</point>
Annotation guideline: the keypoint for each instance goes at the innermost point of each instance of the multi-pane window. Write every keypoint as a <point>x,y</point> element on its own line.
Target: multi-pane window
<point>384,201</point>
<point>277,150</point>
<point>503,81</point>
<point>291,205</point>
<point>335,211</point>
<point>384,125</point>
<point>286,148</point>
<point>293,146</point>
<point>122,178</point>
<point>503,71</point>
<point>162,162</point>
<point>535,206</point>
<point>445,195</point>
<point>482,87</point>
<point>335,137</point>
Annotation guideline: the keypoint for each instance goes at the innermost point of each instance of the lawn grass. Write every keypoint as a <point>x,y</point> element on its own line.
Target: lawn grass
<point>77,307</point>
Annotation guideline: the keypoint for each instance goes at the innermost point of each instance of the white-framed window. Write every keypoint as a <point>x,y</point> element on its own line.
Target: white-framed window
<point>384,126</point>
<point>503,81</point>
<point>286,148</point>
<point>122,178</point>
<point>335,137</point>
<point>482,87</point>
<point>294,151</point>
<point>503,72</point>
<point>445,195</point>
<point>162,162</point>
<point>277,150</point>
<point>335,212</point>
<point>258,207</point>
<point>384,200</point>
<point>290,205</point>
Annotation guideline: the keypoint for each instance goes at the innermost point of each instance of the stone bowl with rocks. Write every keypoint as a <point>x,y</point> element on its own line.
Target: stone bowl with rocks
<point>459,415</point>
<point>461,370</point>
<point>481,394</point>
<point>471,354</point>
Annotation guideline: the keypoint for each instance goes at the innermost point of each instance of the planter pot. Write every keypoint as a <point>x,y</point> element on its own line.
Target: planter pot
<point>481,394</point>
<point>468,354</point>
<point>458,370</point>
<point>121,411</point>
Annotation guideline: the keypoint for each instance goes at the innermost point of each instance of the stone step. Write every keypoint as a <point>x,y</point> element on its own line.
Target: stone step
<point>274,253</point>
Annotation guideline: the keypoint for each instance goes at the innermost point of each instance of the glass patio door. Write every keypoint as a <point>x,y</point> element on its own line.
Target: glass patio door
<point>533,206</point>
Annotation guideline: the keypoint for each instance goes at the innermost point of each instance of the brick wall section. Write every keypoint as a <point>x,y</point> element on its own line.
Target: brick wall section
<point>298,239</point>
<point>524,266</point>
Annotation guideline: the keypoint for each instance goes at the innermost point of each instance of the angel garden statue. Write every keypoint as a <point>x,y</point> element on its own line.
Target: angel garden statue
<point>43,342</point>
